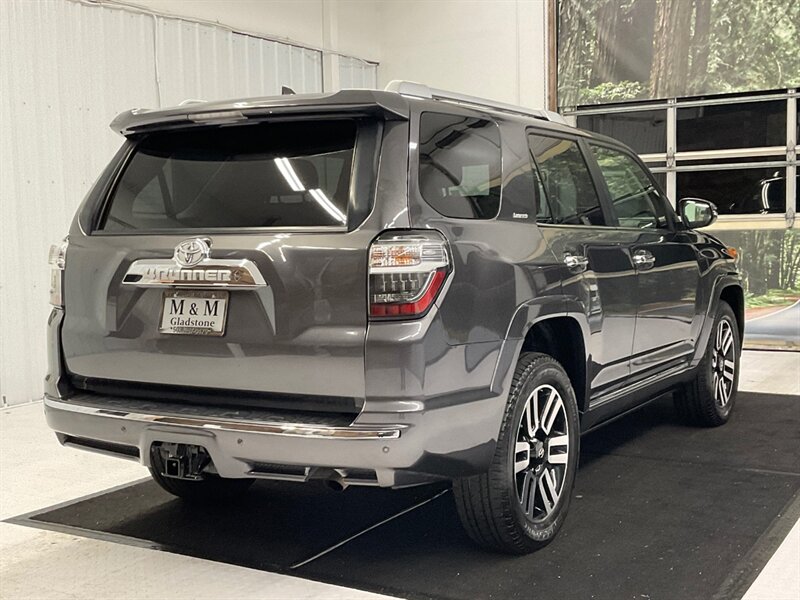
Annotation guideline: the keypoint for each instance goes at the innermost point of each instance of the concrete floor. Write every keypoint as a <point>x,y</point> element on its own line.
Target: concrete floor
<point>35,472</point>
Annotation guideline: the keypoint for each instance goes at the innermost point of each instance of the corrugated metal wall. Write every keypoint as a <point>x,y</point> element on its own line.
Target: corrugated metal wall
<point>355,73</point>
<point>66,69</point>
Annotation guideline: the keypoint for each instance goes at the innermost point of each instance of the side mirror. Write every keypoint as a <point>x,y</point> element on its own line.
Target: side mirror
<point>696,212</point>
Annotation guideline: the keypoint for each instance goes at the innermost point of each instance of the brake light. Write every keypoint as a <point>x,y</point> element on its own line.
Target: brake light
<point>406,273</point>
<point>58,262</point>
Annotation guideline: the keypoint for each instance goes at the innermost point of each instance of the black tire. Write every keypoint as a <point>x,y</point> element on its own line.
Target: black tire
<point>211,488</point>
<point>701,401</point>
<point>490,506</point>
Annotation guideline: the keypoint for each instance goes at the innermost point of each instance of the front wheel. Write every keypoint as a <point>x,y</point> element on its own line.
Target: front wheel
<point>519,505</point>
<point>708,399</point>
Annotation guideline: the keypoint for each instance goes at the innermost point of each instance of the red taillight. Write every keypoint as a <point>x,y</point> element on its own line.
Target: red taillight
<point>406,273</point>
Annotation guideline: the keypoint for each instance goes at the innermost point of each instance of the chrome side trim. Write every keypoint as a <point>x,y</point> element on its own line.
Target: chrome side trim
<point>639,385</point>
<point>210,272</point>
<point>353,432</point>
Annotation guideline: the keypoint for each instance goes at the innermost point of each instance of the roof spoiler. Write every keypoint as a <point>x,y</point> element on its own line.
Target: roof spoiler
<point>197,112</point>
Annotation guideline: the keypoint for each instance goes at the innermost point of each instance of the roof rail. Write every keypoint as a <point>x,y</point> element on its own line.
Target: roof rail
<point>420,90</point>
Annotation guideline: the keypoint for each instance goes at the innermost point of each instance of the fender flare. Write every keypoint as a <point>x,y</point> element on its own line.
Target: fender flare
<point>525,317</point>
<point>721,283</point>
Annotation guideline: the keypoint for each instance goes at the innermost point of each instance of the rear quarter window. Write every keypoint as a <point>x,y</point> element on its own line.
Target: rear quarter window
<point>460,165</point>
<point>291,174</point>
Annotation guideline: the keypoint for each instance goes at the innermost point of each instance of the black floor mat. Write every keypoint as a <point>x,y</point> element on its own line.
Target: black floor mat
<point>659,511</point>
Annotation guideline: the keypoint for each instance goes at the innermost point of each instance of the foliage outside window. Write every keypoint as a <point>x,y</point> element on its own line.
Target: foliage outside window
<point>616,50</point>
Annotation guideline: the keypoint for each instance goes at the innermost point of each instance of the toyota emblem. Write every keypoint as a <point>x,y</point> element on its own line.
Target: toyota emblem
<point>192,252</point>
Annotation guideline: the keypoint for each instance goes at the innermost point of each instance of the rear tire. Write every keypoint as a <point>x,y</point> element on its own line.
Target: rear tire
<point>708,399</point>
<point>519,504</point>
<point>211,488</point>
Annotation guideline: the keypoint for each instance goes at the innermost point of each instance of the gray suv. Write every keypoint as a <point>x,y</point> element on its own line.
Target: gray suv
<point>381,288</point>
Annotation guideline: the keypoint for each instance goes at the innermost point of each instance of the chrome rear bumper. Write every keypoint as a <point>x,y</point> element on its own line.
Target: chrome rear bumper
<point>353,432</point>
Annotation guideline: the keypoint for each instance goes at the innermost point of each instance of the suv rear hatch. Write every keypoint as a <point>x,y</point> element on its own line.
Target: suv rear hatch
<point>229,259</point>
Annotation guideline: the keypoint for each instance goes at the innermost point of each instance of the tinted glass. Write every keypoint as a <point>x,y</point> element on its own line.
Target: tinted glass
<point>636,202</point>
<point>460,165</point>
<point>746,125</point>
<point>741,191</point>
<point>523,192</point>
<point>644,131</point>
<point>267,175</point>
<point>567,183</point>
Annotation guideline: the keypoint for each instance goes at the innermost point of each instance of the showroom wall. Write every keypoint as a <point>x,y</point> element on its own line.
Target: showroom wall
<point>66,69</point>
<point>490,49</point>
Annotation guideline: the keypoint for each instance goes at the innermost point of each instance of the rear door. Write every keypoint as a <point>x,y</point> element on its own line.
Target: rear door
<point>666,264</point>
<point>597,268</point>
<point>229,258</point>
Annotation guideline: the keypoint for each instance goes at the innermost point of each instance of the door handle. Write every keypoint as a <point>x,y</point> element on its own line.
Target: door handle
<point>576,261</point>
<point>643,259</point>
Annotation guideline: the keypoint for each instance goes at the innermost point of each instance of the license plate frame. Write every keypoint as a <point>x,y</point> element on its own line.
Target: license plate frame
<point>217,323</point>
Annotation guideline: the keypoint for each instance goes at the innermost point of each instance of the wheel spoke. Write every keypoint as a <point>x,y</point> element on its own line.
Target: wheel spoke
<point>528,493</point>
<point>522,456</point>
<point>729,370</point>
<point>723,392</point>
<point>727,340</point>
<point>547,490</point>
<point>534,399</point>
<point>551,410</point>
<point>526,417</point>
<point>560,442</point>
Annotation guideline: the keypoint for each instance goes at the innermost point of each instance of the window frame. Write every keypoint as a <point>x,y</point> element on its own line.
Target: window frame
<point>662,197</point>
<point>602,194</point>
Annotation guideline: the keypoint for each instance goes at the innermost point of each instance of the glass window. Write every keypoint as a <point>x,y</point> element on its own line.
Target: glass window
<point>459,165</point>
<point>523,192</point>
<point>644,131</point>
<point>745,125</point>
<point>738,191</point>
<point>636,202</point>
<point>570,192</point>
<point>265,175</point>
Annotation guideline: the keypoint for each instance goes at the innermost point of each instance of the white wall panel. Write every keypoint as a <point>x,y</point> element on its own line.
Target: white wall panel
<point>206,62</point>
<point>355,73</point>
<point>66,69</point>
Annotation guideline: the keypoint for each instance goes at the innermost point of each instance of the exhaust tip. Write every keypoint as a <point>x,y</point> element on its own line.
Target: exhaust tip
<point>336,484</point>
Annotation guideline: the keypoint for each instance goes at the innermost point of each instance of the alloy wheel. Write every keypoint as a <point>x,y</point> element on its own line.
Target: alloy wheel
<point>541,452</point>
<point>723,363</point>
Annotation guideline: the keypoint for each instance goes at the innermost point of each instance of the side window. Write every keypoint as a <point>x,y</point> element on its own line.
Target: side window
<point>636,202</point>
<point>459,165</point>
<point>523,191</point>
<point>572,198</point>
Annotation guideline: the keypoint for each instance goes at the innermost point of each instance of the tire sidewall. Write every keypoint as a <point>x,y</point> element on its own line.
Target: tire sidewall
<point>548,371</point>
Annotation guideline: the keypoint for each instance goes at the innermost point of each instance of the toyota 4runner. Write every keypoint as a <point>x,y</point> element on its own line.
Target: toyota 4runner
<point>382,288</point>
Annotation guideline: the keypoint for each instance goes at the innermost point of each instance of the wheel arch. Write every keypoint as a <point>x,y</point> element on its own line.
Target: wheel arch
<point>562,338</point>
<point>733,295</point>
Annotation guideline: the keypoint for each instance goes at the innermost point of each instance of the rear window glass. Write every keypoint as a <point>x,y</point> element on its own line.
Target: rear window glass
<point>265,175</point>
<point>459,165</point>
